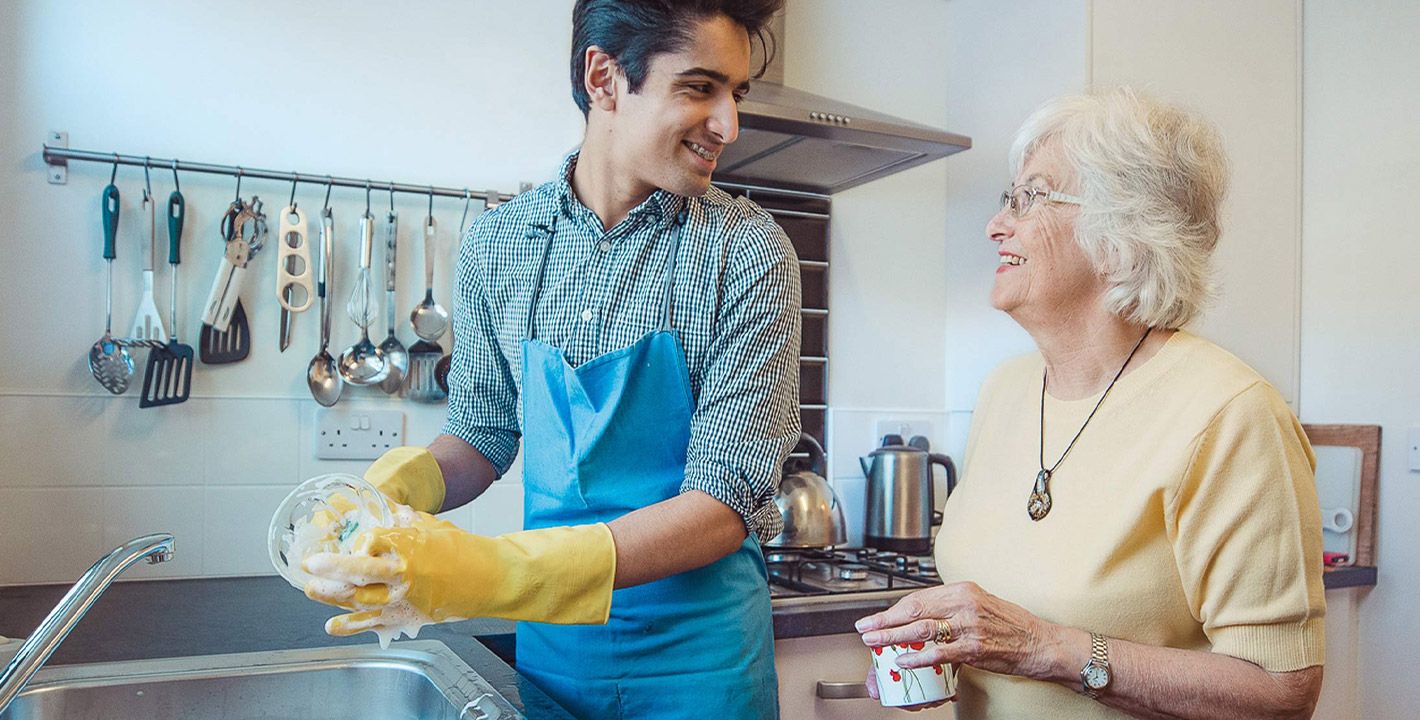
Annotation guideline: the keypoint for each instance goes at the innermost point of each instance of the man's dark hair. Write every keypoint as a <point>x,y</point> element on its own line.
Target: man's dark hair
<point>634,31</point>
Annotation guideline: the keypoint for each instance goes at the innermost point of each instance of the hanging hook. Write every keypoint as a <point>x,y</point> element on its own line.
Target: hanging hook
<point>329,181</point>
<point>113,175</point>
<point>431,201</point>
<point>391,197</point>
<point>147,180</point>
<point>367,197</point>
<point>239,183</point>
<point>177,187</point>
<point>292,202</point>
<point>467,197</point>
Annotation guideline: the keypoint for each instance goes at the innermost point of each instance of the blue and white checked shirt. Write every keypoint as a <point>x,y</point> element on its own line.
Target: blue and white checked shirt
<point>735,304</point>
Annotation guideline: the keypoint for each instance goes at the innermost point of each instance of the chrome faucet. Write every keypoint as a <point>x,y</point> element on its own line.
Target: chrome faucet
<point>72,607</point>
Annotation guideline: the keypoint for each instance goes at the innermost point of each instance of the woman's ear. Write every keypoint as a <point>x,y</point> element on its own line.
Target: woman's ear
<point>599,78</point>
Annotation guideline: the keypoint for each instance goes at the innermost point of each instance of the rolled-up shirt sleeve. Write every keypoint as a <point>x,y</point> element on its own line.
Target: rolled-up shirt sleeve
<point>483,398</point>
<point>746,418</point>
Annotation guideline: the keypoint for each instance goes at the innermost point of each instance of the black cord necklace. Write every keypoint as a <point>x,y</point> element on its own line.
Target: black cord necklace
<point>1039,504</point>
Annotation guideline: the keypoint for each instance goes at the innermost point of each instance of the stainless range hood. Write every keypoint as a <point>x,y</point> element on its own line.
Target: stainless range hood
<point>797,140</point>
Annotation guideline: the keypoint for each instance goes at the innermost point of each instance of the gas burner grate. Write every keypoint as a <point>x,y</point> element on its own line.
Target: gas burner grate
<point>831,572</point>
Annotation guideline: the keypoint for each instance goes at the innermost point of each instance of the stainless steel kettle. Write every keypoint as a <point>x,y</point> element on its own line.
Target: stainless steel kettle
<point>813,517</point>
<point>901,503</point>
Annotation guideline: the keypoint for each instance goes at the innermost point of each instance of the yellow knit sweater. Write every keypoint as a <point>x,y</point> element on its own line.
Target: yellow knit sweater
<point>1186,516</point>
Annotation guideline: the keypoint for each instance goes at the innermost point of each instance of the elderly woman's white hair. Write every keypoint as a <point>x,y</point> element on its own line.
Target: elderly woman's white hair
<point>1152,178</point>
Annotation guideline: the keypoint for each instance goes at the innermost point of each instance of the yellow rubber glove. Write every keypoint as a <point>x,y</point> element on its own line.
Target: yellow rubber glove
<point>409,476</point>
<point>558,575</point>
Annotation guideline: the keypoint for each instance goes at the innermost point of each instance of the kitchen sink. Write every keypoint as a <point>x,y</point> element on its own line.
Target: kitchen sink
<point>414,679</point>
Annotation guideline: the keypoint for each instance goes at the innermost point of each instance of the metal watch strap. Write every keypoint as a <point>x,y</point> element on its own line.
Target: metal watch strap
<point>1099,655</point>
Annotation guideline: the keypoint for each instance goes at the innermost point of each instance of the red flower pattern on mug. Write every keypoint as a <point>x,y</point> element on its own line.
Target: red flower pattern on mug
<point>917,645</point>
<point>877,651</point>
<point>896,676</point>
<point>937,669</point>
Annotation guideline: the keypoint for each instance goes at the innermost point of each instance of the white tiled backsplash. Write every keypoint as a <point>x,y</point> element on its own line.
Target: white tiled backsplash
<point>82,474</point>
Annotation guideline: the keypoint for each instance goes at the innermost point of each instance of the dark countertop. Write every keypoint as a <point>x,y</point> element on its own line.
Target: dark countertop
<point>175,618</point>
<point>1349,576</point>
<point>796,617</point>
<point>813,616</point>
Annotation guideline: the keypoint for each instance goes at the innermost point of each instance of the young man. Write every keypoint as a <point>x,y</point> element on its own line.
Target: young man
<point>644,328</point>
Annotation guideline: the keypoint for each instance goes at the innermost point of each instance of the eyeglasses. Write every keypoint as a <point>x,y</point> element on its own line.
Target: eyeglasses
<point>1021,198</point>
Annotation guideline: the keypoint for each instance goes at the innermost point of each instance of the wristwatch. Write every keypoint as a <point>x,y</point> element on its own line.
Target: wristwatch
<point>1096,676</point>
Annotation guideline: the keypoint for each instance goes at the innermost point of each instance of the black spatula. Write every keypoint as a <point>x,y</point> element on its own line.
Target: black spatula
<point>217,347</point>
<point>168,379</point>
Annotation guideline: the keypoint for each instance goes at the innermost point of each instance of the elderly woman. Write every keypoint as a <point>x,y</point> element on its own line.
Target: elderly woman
<point>1137,532</point>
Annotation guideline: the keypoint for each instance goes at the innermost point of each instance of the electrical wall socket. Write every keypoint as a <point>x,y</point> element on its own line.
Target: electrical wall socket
<point>357,434</point>
<point>905,428</point>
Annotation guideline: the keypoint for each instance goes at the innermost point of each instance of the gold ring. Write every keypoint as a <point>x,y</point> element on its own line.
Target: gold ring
<point>944,631</point>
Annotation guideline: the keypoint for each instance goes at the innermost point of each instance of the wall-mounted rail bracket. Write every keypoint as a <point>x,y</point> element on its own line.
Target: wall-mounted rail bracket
<point>58,166</point>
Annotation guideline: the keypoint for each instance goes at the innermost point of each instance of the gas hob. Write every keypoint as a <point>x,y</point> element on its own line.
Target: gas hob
<point>800,573</point>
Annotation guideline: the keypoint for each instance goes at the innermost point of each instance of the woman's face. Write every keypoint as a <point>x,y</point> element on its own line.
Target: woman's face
<point>1043,274</point>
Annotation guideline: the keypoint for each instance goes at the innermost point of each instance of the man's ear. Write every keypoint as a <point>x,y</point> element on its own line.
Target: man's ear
<point>599,78</point>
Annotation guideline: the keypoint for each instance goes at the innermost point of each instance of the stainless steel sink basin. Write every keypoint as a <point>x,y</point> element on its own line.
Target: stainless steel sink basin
<point>414,679</point>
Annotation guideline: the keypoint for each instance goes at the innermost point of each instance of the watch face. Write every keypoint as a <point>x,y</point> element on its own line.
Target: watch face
<point>1096,676</point>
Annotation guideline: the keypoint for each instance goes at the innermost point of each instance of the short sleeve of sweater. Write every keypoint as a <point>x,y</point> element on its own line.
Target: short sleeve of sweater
<point>1246,532</point>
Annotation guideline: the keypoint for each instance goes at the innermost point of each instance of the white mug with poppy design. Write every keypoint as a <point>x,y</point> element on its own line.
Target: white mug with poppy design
<point>910,686</point>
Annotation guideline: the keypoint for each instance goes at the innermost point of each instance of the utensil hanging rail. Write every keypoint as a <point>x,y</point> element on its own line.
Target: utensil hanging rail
<point>61,155</point>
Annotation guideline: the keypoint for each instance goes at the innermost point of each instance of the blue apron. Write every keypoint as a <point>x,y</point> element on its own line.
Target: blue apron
<point>601,440</point>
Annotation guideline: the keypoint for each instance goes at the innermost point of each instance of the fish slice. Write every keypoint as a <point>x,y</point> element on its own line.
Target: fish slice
<point>429,321</point>
<point>168,379</point>
<point>421,383</point>
<point>217,348</point>
<point>148,328</point>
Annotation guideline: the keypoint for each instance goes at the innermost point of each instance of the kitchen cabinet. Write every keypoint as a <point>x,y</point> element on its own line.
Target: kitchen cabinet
<point>803,661</point>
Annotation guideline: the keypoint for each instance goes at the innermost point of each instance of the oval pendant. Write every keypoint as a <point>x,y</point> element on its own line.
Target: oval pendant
<point>1039,504</point>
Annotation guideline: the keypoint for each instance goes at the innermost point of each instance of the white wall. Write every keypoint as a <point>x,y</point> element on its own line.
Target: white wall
<point>448,93</point>
<point>1005,59</point>
<point>887,295</point>
<point>1239,65</point>
<point>1360,332</point>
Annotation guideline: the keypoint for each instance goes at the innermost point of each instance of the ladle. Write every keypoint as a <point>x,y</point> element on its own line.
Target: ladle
<point>323,377</point>
<point>363,363</point>
<point>429,318</point>
<point>396,356</point>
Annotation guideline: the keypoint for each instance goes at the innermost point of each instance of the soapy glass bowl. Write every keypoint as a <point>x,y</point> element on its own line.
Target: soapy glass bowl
<point>323,514</point>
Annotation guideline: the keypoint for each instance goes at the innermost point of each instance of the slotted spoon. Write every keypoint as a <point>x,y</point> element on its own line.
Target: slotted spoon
<point>108,360</point>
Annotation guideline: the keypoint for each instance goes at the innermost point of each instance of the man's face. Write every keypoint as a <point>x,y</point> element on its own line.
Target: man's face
<point>670,134</point>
